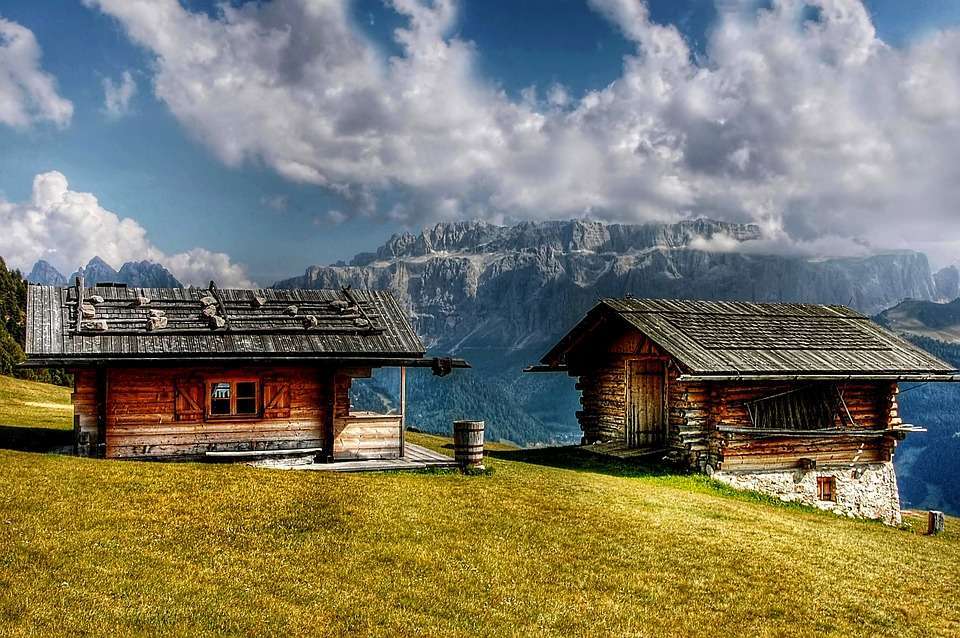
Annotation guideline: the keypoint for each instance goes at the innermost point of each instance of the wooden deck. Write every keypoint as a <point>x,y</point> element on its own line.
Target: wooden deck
<point>415,458</point>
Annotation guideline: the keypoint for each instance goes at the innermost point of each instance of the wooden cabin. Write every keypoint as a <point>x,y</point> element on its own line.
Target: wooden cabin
<point>795,400</point>
<point>175,373</point>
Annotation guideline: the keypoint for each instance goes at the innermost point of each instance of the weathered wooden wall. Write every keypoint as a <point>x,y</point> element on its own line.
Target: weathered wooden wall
<point>142,418</point>
<point>362,435</point>
<point>698,411</point>
<point>601,369</point>
<point>872,406</point>
<point>85,411</point>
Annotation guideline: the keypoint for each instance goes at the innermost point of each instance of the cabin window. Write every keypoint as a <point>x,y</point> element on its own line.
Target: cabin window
<point>826,488</point>
<point>233,398</point>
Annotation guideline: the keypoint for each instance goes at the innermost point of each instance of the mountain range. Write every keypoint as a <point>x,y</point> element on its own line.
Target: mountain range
<point>472,284</point>
<point>142,274</point>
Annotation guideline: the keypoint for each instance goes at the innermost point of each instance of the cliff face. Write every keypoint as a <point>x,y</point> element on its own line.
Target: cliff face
<point>475,285</point>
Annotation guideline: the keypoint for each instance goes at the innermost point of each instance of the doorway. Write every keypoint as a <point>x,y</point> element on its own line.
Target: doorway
<point>645,422</point>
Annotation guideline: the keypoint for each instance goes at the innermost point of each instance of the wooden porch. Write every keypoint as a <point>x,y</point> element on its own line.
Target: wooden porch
<point>415,457</point>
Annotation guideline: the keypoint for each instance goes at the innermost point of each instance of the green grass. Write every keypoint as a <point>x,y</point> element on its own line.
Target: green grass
<point>29,403</point>
<point>550,542</point>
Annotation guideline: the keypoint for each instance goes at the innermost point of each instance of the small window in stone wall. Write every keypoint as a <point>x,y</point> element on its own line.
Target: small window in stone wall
<point>826,488</point>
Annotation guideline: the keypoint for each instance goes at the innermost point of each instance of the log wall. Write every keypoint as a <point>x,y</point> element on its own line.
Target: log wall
<point>602,370</point>
<point>872,406</point>
<point>698,411</point>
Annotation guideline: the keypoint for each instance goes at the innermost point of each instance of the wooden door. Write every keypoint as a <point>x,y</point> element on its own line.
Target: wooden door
<point>646,425</point>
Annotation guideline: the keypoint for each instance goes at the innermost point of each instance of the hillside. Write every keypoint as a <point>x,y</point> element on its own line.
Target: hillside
<point>551,542</point>
<point>927,319</point>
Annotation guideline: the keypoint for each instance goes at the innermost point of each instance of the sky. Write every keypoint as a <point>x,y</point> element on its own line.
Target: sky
<point>245,141</point>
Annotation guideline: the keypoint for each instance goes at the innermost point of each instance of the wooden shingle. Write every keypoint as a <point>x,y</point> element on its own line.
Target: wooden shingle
<point>739,339</point>
<point>358,323</point>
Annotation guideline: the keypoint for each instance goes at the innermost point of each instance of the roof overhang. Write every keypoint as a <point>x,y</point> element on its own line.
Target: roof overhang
<point>441,364</point>
<point>900,376</point>
<point>540,367</point>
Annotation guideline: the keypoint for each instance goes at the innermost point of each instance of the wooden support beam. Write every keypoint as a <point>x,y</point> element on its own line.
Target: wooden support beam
<point>79,284</point>
<point>101,399</point>
<point>403,406</point>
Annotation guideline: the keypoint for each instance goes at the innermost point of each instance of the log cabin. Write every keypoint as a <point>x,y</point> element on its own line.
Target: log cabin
<point>177,374</point>
<point>794,400</point>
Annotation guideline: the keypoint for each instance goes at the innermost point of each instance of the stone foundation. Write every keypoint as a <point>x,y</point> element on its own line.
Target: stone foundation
<point>863,491</point>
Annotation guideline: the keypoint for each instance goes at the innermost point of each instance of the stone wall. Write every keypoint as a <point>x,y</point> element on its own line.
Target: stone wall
<point>867,491</point>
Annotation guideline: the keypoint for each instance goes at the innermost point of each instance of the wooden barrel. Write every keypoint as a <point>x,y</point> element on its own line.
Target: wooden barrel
<point>468,444</point>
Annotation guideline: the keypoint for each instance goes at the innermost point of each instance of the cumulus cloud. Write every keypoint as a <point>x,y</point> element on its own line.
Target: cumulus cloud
<point>68,228</point>
<point>28,94</point>
<point>803,121</point>
<point>117,95</point>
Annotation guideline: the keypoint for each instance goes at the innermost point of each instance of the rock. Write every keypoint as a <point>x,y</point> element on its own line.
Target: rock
<point>95,299</point>
<point>209,311</point>
<point>360,322</point>
<point>208,301</point>
<point>258,301</point>
<point>156,322</point>
<point>292,310</point>
<point>98,325</point>
<point>88,311</point>
<point>142,301</point>
<point>310,321</point>
<point>217,322</point>
<point>339,305</point>
<point>155,312</point>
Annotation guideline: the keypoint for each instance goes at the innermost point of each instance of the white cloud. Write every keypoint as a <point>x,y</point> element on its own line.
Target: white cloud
<point>815,129</point>
<point>28,94</point>
<point>276,203</point>
<point>117,95</point>
<point>68,228</point>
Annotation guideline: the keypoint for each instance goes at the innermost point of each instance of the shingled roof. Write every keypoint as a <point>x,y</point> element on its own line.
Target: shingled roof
<point>734,340</point>
<point>113,322</point>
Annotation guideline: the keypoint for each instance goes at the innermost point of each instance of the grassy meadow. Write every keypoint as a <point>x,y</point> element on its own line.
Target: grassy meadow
<point>551,542</point>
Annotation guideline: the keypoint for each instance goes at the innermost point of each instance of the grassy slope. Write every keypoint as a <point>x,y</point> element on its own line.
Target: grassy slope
<point>550,542</point>
<point>34,404</point>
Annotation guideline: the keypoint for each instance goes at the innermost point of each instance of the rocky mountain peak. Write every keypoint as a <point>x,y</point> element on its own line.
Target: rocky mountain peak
<point>947,281</point>
<point>45,274</point>
<point>147,274</point>
<point>479,237</point>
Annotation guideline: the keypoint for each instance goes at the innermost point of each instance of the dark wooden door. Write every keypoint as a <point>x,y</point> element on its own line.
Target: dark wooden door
<point>646,425</point>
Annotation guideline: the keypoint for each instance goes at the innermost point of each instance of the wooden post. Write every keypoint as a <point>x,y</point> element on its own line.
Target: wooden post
<point>403,407</point>
<point>101,398</point>
<point>935,522</point>
<point>79,282</point>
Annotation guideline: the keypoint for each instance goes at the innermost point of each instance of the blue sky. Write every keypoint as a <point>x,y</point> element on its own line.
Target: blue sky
<point>150,165</point>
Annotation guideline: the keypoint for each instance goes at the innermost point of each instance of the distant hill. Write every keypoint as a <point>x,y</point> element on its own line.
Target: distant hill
<point>928,319</point>
<point>143,274</point>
